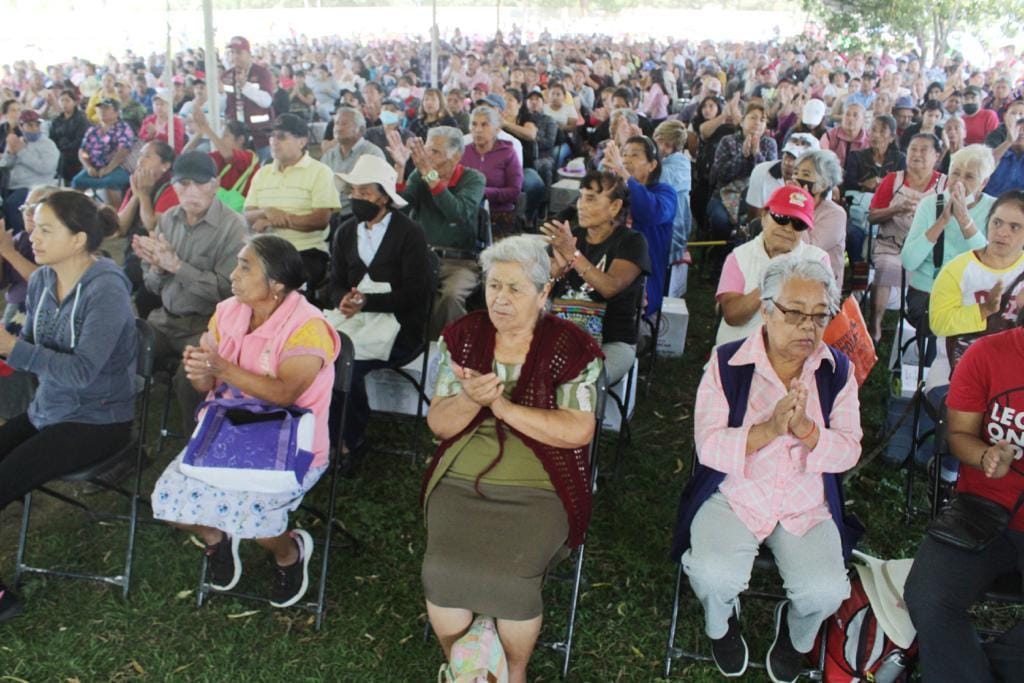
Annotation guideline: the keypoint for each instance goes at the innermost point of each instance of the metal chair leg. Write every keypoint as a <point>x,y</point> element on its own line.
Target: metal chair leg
<point>570,629</point>
<point>670,650</point>
<point>26,513</point>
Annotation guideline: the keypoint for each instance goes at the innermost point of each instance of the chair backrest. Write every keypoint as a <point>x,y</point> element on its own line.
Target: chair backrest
<point>343,365</point>
<point>484,233</point>
<point>146,344</point>
<point>599,408</point>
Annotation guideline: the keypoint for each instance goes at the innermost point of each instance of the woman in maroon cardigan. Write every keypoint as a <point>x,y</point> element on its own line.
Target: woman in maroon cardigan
<point>509,486</point>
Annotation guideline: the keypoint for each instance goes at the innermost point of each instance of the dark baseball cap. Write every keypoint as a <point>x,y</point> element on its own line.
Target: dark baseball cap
<point>110,102</point>
<point>195,166</point>
<point>290,123</point>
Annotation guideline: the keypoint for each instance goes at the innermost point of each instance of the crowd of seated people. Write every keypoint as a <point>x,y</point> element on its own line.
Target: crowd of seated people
<point>337,181</point>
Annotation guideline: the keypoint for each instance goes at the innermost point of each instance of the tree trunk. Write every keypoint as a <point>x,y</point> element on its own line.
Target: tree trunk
<point>921,38</point>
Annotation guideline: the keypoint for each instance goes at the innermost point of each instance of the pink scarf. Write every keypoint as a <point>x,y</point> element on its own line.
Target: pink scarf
<point>260,352</point>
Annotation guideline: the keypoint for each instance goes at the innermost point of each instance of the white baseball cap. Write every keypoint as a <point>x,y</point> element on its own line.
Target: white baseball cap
<point>813,113</point>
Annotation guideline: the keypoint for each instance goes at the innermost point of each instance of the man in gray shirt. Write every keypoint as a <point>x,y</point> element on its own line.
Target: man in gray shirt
<point>187,262</point>
<point>349,145</point>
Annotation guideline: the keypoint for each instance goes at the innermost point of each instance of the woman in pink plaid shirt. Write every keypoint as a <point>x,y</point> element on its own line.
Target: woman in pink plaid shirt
<point>774,492</point>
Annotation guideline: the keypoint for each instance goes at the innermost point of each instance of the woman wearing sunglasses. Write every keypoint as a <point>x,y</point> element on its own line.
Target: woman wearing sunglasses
<point>789,213</point>
<point>771,449</point>
<point>818,172</point>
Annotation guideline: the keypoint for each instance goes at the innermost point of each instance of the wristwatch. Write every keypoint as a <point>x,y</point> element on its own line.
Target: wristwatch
<point>432,176</point>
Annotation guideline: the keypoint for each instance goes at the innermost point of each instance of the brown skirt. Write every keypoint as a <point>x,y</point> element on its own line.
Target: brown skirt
<point>888,264</point>
<point>490,554</point>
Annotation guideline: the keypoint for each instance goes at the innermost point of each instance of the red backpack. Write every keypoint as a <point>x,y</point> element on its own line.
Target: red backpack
<point>858,649</point>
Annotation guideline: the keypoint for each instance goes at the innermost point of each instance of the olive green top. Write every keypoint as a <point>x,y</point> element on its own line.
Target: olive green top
<point>476,450</point>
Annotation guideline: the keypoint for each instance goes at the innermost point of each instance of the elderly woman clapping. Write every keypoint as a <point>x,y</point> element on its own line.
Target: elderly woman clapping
<point>938,234</point>
<point>508,487</point>
<point>769,469</point>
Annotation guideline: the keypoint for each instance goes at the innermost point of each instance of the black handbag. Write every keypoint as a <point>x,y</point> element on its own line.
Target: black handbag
<point>971,522</point>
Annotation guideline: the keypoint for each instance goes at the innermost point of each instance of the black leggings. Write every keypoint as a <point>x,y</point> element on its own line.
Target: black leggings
<point>943,584</point>
<point>30,457</point>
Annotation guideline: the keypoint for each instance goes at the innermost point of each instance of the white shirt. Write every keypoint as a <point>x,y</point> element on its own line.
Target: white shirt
<point>763,184</point>
<point>368,239</point>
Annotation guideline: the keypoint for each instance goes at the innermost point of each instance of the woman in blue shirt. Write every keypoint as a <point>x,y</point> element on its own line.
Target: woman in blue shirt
<point>652,206</point>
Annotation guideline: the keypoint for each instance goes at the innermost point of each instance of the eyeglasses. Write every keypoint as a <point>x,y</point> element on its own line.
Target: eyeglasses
<point>29,208</point>
<point>797,224</point>
<point>796,318</point>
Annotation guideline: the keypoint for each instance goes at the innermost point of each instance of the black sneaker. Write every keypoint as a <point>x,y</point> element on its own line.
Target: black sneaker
<point>224,567</point>
<point>730,651</point>
<point>352,461</point>
<point>783,662</point>
<point>10,605</point>
<point>291,582</point>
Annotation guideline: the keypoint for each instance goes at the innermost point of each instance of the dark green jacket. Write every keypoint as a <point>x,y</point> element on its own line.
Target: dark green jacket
<point>449,218</point>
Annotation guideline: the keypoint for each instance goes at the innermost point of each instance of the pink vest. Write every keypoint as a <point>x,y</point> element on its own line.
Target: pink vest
<point>259,352</point>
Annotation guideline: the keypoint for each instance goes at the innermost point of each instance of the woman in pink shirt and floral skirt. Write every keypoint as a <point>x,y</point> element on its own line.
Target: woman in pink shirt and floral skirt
<point>777,421</point>
<point>269,343</point>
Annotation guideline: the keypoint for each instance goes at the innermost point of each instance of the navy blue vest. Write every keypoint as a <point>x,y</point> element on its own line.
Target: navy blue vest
<point>736,380</point>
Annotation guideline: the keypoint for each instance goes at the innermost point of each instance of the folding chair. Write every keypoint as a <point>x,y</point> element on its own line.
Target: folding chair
<point>564,646</point>
<point>920,402</point>
<point>342,384</point>
<point>93,474</point>
<point>656,330</point>
<point>625,399</point>
<point>422,350</point>
<point>763,562</point>
<point>167,367</point>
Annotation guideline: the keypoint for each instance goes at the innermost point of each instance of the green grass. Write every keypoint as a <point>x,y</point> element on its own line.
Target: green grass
<point>85,632</point>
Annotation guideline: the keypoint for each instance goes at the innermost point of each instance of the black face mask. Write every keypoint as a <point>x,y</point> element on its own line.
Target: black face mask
<point>806,184</point>
<point>364,209</point>
<point>971,108</point>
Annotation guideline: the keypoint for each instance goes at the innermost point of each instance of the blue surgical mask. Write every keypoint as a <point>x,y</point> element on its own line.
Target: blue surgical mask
<point>389,118</point>
<point>33,137</point>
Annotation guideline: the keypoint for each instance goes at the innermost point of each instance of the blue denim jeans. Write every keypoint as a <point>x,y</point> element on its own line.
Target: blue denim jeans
<point>533,187</point>
<point>117,179</point>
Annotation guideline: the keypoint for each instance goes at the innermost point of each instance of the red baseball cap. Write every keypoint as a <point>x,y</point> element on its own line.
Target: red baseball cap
<point>28,116</point>
<point>239,43</point>
<point>792,201</point>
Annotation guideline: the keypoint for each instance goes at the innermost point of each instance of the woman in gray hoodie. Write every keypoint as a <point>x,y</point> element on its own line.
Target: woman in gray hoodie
<point>79,340</point>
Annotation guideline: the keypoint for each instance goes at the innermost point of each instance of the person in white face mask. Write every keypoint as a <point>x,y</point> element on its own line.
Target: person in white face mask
<point>392,120</point>
<point>30,160</point>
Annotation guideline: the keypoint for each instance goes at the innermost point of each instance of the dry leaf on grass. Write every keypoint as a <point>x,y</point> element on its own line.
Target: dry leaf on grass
<point>242,615</point>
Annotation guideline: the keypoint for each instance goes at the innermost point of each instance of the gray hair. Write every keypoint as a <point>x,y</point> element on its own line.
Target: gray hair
<point>529,251</point>
<point>490,112</point>
<point>974,155</point>
<point>826,165</point>
<point>630,115</point>
<point>452,137</point>
<point>848,105</point>
<point>356,114</point>
<point>786,267</point>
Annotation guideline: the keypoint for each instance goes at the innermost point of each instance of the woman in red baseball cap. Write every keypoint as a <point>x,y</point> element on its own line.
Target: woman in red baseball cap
<point>789,213</point>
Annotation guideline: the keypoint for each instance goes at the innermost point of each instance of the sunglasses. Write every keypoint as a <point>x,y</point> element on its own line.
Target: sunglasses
<point>797,224</point>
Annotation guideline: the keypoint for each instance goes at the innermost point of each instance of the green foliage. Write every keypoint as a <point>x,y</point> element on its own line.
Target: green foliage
<point>926,23</point>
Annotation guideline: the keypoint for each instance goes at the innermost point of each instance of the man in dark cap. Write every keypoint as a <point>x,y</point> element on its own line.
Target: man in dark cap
<point>187,263</point>
<point>294,196</point>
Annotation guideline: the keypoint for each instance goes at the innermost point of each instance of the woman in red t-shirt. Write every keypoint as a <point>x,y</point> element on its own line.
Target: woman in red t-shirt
<point>986,433</point>
<point>230,151</point>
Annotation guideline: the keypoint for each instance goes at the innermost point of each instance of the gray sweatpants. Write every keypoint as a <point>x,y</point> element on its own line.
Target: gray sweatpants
<point>721,556</point>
